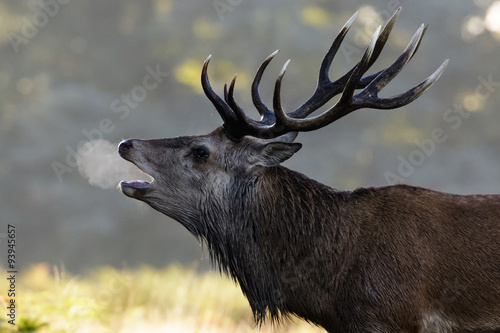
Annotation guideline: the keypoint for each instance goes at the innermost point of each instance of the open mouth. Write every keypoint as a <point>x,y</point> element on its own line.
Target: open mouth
<point>134,188</point>
<point>137,188</point>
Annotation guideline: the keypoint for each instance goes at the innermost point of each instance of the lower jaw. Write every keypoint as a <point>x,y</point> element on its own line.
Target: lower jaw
<point>135,189</point>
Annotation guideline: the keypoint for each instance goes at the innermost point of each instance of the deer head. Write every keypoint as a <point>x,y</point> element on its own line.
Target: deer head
<point>189,170</point>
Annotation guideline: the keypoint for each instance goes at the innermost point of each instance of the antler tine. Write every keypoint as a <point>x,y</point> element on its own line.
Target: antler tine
<point>221,106</point>
<point>408,96</point>
<point>229,96</point>
<point>384,36</point>
<point>281,116</point>
<point>226,97</point>
<point>238,111</point>
<point>267,116</point>
<point>327,60</point>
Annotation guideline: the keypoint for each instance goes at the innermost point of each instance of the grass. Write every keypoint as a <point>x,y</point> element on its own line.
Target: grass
<point>174,299</point>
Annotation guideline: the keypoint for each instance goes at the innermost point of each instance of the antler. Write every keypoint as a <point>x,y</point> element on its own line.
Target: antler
<point>275,123</point>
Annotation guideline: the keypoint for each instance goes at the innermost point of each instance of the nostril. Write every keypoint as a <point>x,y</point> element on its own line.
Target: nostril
<point>124,147</point>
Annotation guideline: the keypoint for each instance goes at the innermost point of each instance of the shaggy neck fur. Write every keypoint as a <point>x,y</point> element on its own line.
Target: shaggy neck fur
<point>256,252</point>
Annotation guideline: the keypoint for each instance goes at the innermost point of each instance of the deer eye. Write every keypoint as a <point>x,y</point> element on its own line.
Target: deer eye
<point>201,153</point>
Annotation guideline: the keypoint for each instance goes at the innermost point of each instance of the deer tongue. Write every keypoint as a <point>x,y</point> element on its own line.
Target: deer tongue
<point>135,188</point>
<point>139,183</point>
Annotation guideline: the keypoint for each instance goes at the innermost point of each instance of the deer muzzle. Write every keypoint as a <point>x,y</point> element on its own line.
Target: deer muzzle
<point>133,188</point>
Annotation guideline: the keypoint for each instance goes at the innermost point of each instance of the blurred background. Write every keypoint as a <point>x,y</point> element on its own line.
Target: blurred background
<point>72,72</point>
<point>77,77</point>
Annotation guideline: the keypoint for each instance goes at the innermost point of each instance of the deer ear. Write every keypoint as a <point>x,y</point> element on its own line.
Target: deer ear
<point>273,153</point>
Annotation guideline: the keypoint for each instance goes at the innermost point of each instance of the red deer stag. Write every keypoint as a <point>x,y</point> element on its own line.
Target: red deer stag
<point>391,259</point>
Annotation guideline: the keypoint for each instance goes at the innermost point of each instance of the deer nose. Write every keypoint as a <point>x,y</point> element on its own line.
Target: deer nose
<point>124,147</point>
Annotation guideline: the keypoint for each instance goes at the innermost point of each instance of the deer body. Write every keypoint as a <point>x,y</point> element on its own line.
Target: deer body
<point>390,259</point>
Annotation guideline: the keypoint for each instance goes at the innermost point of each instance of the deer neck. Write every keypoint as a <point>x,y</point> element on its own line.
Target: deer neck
<point>271,236</point>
